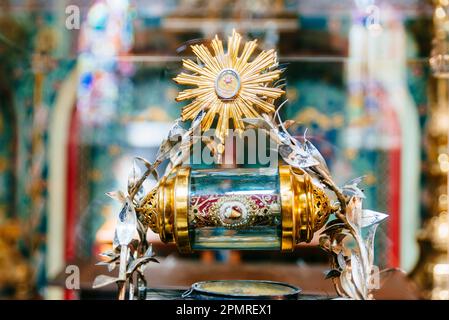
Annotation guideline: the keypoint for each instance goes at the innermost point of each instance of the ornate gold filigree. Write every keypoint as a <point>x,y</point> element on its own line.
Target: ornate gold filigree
<point>323,208</point>
<point>148,212</point>
<point>234,211</point>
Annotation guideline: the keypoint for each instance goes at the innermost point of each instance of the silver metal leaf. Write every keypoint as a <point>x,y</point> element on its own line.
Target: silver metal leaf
<point>145,162</point>
<point>351,188</point>
<point>267,124</point>
<point>355,181</point>
<point>138,262</point>
<point>313,151</point>
<point>149,166</point>
<point>335,229</point>
<point>134,175</point>
<point>172,141</point>
<point>115,241</point>
<point>354,213</point>
<point>176,130</point>
<point>288,123</point>
<point>104,280</point>
<point>109,260</point>
<point>353,191</point>
<point>164,149</point>
<point>126,223</point>
<point>341,261</point>
<point>348,285</point>
<point>370,218</point>
<point>294,158</point>
<point>111,266</point>
<point>149,252</point>
<point>334,273</point>
<point>180,155</point>
<point>358,275</point>
<point>109,254</point>
<point>197,121</point>
<point>369,243</point>
<point>259,123</point>
<point>324,242</point>
<point>277,113</point>
<point>117,195</point>
<point>280,138</point>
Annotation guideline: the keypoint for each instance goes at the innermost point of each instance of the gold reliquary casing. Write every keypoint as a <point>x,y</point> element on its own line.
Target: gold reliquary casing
<point>241,209</point>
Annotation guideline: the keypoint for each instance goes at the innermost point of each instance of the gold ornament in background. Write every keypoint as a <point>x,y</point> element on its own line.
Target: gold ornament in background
<point>431,273</point>
<point>15,272</point>
<point>228,85</point>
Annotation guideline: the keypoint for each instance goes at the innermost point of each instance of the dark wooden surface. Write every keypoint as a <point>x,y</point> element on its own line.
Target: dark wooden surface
<point>180,274</point>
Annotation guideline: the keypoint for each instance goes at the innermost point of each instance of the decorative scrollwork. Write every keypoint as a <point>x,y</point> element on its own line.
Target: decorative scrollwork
<point>147,212</point>
<point>234,211</point>
<point>323,208</point>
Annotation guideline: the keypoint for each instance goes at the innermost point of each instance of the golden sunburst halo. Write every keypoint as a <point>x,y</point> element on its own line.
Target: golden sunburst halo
<point>228,85</point>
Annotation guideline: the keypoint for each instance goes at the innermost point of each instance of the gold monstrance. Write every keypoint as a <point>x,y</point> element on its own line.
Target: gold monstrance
<point>228,85</point>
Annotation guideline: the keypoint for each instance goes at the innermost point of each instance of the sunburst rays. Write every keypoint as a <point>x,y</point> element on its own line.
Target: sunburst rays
<point>227,85</point>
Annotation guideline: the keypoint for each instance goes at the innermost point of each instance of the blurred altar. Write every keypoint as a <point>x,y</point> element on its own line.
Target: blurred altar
<point>86,85</point>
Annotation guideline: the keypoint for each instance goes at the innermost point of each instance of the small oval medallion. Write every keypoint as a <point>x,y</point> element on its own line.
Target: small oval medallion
<point>227,84</point>
<point>233,213</point>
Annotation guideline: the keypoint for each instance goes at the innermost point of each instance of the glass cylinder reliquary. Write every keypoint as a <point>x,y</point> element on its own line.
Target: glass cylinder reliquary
<point>243,209</point>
